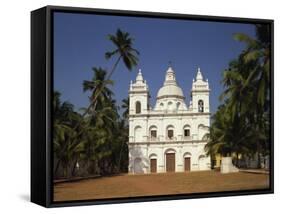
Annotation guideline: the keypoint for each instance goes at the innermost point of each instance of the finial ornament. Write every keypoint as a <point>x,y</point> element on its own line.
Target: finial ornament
<point>139,77</point>
<point>199,75</point>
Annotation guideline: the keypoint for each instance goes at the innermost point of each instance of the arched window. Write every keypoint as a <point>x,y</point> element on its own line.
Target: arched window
<point>153,132</point>
<point>161,106</point>
<point>138,107</point>
<point>186,131</point>
<point>202,130</point>
<point>170,132</point>
<point>138,134</point>
<point>200,106</point>
<point>170,105</point>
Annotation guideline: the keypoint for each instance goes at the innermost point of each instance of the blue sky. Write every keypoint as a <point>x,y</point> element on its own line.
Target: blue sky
<point>80,41</point>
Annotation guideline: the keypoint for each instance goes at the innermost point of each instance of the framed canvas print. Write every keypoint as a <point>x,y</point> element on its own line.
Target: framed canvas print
<point>140,106</point>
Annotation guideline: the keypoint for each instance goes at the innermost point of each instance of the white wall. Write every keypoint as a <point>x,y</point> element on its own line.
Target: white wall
<point>158,151</point>
<point>198,126</point>
<point>15,105</point>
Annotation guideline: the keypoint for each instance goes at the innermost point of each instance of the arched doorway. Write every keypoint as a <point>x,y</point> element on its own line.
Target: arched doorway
<point>170,160</point>
<point>138,166</point>
<point>187,161</point>
<point>153,163</point>
<point>202,162</point>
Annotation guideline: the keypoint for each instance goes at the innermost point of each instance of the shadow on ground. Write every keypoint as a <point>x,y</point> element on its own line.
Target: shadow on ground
<point>25,197</point>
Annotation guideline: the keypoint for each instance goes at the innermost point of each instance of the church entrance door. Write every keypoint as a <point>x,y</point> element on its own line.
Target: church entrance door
<point>187,164</point>
<point>170,162</point>
<point>153,165</point>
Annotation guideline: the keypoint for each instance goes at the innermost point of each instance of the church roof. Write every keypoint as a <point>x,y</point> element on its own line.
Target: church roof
<point>170,87</point>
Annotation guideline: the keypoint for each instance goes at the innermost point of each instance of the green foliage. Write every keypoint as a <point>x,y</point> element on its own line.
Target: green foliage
<point>241,124</point>
<point>123,43</point>
<point>96,139</point>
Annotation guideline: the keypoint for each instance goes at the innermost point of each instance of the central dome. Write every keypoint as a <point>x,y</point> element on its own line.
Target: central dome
<point>170,91</point>
<point>170,87</point>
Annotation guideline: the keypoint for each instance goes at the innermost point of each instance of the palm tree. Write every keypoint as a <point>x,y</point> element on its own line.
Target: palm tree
<point>122,133</point>
<point>98,87</point>
<point>121,143</point>
<point>125,51</point>
<point>102,116</point>
<point>238,91</point>
<point>101,113</point>
<point>229,136</point>
<point>64,120</point>
<point>258,54</point>
<point>241,125</point>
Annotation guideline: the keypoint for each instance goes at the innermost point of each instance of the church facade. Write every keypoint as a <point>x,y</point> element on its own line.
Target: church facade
<point>171,136</point>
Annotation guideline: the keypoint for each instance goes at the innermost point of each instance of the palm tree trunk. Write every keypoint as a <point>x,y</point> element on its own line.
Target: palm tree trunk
<point>114,67</point>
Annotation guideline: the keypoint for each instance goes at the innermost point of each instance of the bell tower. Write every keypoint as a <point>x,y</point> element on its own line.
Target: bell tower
<point>139,96</point>
<point>200,94</point>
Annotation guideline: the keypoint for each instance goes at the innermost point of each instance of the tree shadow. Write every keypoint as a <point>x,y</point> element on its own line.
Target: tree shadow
<point>138,163</point>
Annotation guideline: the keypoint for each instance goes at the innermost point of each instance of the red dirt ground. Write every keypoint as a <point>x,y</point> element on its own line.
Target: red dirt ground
<point>158,184</point>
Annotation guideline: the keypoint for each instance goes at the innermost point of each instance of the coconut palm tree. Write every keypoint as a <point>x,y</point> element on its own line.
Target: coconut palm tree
<point>98,87</point>
<point>258,53</point>
<point>241,125</point>
<point>64,120</point>
<point>125,51</point>
<point>229,136</point>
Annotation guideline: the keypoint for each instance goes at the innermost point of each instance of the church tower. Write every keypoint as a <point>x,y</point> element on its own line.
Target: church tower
<point>138,96</point>
<point>200,94</point>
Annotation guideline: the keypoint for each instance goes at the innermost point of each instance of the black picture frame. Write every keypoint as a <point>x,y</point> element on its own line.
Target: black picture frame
<point>41,96</point>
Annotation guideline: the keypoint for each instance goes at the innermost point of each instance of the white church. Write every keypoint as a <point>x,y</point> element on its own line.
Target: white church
<point>171,136</point>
